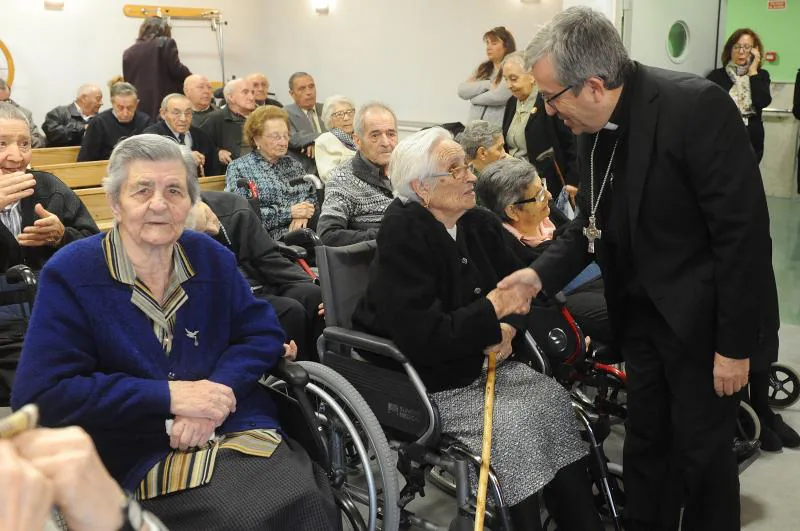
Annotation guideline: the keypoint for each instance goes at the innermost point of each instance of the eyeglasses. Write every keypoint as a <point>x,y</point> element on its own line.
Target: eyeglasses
<point>551,101</point>
<point>344,114</point>
<point>538,198</point>
<point>177,114</point>
<point>277,137</point>
<point>459,173</point>
<point>742,47</point>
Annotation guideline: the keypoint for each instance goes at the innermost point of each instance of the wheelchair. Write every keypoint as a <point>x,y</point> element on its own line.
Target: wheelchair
<point>17,291</point>
<point>395,393</point>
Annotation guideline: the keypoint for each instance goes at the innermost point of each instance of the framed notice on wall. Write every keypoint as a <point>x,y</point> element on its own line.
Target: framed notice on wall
<point>776,4</point>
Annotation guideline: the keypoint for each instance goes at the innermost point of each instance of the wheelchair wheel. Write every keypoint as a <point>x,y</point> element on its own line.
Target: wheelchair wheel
<point>784,386</point>
<point>363,464</point>
<point>748,427</point>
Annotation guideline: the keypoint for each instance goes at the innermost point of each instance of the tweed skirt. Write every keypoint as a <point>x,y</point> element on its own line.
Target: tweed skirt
<point>280,492</point>
<point>534,434</point>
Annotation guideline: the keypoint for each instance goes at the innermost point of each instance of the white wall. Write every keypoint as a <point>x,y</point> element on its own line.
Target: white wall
<point>411,54</point>
<point>56,51</point>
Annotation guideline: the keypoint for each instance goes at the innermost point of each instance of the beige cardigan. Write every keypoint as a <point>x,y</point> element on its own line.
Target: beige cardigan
<point>329,152</point>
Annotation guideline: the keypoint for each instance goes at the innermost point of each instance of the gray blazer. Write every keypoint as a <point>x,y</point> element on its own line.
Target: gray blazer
<point>300,126</point>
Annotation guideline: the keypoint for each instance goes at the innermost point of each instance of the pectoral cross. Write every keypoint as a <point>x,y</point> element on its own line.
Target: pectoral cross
<point>592,233</point>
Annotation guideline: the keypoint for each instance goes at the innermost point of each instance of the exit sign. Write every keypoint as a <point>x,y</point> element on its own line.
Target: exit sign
<point>776,4</point>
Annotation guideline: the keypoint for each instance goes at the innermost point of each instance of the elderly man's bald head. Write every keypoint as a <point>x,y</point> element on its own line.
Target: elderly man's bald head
<point>260,85</point>
<point>89,99</point>
<point>198,90</point>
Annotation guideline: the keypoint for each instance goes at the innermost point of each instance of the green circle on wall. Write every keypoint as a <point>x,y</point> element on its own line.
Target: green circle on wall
<point>678,41</point>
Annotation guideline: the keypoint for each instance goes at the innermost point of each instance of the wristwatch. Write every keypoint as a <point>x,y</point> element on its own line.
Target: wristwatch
<point>132,518</point>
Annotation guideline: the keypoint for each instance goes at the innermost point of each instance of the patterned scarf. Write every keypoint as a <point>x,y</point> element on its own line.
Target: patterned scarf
<point>344,138</point>
<point>740,91</point>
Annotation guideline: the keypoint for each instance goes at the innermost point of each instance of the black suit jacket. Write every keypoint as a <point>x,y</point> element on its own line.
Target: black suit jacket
<point>225,130</point>
<point>64,126</point>
<point>697,214</point>
<point>541,133</point>
<point>201,142</point>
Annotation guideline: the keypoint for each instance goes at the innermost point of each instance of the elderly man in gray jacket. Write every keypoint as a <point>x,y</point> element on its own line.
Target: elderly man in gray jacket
<point>305,122</point>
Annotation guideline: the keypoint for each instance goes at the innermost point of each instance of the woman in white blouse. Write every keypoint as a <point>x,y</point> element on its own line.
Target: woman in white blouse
<point>337,144</point>
<point>485,89</point>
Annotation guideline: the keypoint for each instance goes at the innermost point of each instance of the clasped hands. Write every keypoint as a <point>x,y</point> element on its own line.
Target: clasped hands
<point>199,407</point>
<point>301,213</point>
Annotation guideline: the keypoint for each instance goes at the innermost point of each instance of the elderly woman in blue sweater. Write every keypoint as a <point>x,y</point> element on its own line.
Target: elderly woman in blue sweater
<point>149,338</point>
<point>286,201</point>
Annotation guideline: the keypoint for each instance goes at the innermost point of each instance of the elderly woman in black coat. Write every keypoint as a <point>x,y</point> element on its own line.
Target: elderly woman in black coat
<point>432,291</point>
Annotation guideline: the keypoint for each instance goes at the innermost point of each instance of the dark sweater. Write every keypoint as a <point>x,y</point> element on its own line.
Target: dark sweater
<point>105,131</point>
<point>427,292</point>
<point>91,358</point>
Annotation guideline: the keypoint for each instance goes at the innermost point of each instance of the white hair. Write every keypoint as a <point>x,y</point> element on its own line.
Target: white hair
<point>414,160</point>
<point>330,104</point>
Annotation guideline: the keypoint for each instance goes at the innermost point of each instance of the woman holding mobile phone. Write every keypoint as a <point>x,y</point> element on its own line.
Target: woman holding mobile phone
<point>745,80</point>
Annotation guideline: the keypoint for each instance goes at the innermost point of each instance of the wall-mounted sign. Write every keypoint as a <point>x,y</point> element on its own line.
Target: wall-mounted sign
<point>776,4</point>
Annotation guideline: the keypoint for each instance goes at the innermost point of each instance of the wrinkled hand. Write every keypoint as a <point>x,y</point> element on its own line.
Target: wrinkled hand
<point>225,156</point>
<point>199,158</point>
<point>309,151</point>
<point>321,310</point>
<point>526,280</point>
<point>84,491</point>
<point>202,399</point>
<point>15,186</point>
<point>304,210</point>
<point>26,495</point>
<point>730,374</point>
<point>297,224</point>
<point>502,350</point>
<point>290,350</point>
<point>190,432</point>
<point>47,230</point>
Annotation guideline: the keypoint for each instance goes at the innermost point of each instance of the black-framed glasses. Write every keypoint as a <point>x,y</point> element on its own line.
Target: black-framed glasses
<point>458,173</point>
<point>344,114</point>
<point>742,47</point>
<point>551,101</point>
<point>538,198</point>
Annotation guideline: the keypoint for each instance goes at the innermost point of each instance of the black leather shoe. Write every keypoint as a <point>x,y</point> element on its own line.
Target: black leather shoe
<point>787,435</point>
<point>770,442</point>
<point>744,450</point>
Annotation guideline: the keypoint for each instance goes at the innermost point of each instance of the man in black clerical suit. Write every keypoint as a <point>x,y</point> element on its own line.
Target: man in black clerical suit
<point>673,209</point>
<point>176,123</point>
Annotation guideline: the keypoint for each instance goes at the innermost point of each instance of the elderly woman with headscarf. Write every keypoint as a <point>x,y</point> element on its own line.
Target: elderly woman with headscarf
<point>432,291</point>
<point>150,339</point>
<point>483,143</point>
<point>285,200</point>
<point>746,82</point>
<point>513,190</point>
<point>338,144</point>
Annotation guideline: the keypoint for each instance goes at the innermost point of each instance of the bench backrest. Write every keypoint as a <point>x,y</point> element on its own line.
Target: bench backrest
<point>78,174</point>
<point>56,155</point>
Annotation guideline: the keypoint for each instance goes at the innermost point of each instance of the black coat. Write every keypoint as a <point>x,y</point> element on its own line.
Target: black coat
<point>761,97</point>
<point>796,112</point>
<point>225,129</point>
<point>154,68</point>
<point>105,131</point>
<point>200,143</point>
<point>64,126</point>
<point>427,292</point>
<point>543,132</point>
<point>697,215</point>
<point>57,199</point>
<point>255,250</point>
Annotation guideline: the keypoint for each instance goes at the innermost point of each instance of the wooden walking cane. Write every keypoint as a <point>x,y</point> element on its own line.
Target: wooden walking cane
<point>488,412</point>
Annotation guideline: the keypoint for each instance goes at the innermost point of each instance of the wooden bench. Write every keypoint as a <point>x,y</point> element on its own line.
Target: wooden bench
<point>57,155</point>
<point>97,203</point>
<point>78,174</point>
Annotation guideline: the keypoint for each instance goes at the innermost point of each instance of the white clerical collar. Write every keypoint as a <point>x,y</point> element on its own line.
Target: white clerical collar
<point>611,126</point>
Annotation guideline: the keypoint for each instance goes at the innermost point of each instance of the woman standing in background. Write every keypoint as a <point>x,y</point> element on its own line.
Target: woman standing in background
<point>745,80</point>
<point>486,90</point>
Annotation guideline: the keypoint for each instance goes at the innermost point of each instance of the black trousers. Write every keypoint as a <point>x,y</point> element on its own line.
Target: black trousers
<point>297,307</point>
<point>677,449</point>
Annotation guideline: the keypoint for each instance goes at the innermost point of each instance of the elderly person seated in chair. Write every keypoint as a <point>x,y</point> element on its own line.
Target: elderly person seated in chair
<point>432,291</point>
<point>150,339</point>
<point>513,190</point>
<point>483,144</point>
<point>337,145</point>
<point>286,201</point>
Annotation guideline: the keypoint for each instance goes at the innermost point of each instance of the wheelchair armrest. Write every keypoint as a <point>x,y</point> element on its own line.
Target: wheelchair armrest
<point>302,237</point>
<point>292,252</point>
<point>367,342</point>
<point>292,373</point>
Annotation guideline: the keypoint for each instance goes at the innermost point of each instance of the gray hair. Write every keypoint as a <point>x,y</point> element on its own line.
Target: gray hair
<point>295,76</point>
<point>122,89</point>
<point>169,97</point>
<point>330,104</point>
<point>581,43</point>
<point>517,58</point>
<point>359,125</point>
<point>478,134</point>
<point>148,147</point>
<point>9,111</point>
<point>503,182</point>
<point>230,86</point>
<point>414,160</point>
<point>86,88</point>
